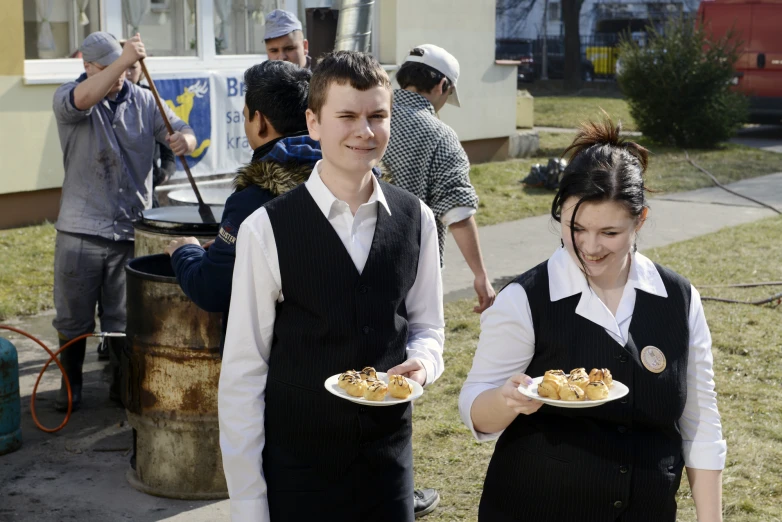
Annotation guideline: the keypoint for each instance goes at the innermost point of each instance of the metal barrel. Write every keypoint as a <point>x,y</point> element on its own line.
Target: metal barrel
<point>10,404</point>
<point>158,226</point>
<point>171,368</point>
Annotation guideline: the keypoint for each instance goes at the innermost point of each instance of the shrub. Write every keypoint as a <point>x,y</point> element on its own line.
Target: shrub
<point>678,85</point>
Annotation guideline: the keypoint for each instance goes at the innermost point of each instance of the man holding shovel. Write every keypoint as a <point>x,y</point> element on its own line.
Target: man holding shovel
<point>107,128</point>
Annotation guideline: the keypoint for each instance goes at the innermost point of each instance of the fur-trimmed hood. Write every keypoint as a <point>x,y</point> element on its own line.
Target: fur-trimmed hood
<point>275,177</point>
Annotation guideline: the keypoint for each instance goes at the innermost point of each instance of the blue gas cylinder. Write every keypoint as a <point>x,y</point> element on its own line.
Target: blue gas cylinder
<point>10,405</point>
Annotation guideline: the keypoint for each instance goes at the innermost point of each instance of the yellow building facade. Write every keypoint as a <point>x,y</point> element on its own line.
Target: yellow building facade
<point>30,70</point>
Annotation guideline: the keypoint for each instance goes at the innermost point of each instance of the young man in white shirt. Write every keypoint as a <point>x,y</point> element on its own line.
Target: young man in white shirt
<point>342,272</point>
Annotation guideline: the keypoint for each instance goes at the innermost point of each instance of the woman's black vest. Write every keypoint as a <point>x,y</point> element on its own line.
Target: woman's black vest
<point>619,461</point>
<point>334,319</point>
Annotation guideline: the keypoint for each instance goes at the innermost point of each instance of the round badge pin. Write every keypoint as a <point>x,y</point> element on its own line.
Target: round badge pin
<point>653,359</point>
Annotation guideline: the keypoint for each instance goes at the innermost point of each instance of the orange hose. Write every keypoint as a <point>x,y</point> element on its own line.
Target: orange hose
<point>52,357</point>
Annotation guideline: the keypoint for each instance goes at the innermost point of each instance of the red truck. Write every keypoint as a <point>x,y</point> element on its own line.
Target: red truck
<point>759,69</point>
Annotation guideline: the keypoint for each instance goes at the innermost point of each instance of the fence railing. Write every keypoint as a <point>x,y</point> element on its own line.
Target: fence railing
<point>599,52</point>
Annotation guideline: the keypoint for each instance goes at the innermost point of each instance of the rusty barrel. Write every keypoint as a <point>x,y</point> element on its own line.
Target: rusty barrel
<point>158,226</point>
<point>171,368</point>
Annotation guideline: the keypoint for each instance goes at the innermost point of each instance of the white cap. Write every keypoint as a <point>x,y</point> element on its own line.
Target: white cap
<point>442,61</point>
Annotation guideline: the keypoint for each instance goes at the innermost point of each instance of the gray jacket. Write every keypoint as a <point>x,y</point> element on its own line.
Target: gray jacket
<point>108,155</point>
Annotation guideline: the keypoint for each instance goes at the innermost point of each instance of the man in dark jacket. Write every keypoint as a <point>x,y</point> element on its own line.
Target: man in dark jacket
<point>283,157</point>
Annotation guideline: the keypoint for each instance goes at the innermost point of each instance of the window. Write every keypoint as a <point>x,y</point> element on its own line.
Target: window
<point>167,27</point>
<point>553,12</point>
<point>239,25</point>
<point>181,36</point>
<point>56,28</point>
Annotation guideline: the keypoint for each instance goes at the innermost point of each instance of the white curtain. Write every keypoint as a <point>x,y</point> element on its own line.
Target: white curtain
<point>134,11</point>
<point>45,36</point>
<point>191,4</point>
<point>223,10</point>
<point>82,5</point>
<point>255,7</point>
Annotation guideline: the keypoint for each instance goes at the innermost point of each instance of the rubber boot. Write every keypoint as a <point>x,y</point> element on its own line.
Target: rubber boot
<point>72,360</point>
<point>115,348</point>
<point>103,351</point>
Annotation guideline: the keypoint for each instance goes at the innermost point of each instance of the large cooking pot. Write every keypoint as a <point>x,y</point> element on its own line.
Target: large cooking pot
<point>158,226</point>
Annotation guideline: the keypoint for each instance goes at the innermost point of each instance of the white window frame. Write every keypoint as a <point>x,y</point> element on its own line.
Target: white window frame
<point>61,70</point>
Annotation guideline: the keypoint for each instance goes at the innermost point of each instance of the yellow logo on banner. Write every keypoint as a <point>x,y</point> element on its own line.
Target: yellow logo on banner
<point>184,106</point>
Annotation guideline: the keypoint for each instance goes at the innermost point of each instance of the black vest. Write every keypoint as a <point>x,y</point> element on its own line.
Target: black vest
<point>619,461</point>
<point>334,319</point>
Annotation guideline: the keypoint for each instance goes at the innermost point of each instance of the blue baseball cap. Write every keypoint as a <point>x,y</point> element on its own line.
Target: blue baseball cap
<point>279,23</point>
<point>101,48</point>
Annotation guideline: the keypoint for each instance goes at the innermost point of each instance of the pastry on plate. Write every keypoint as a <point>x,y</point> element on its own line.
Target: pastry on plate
<point>557,376</point>
<point>601,374</point>
<point>344,377</point>
<point>398,387</point>
<point>549,388</point>
<point>571,392</point>
<point>356,386</point>
<point>580,380</point>
<point>368,373</point>
<point>597,390</point>
<point>376,391</point>
<point>576,372</point>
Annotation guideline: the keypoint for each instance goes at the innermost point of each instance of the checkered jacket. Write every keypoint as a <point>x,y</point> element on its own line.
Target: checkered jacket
<point>424,157</point>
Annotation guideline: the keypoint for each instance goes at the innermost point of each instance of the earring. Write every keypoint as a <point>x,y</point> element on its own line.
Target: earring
<point>562,242</point>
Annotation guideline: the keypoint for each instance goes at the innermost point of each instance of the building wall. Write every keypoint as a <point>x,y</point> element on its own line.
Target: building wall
<point>466,29</point>
<point>32,171</point>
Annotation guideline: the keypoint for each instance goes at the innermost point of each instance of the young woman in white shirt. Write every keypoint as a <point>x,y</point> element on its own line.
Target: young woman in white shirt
<point>598,303</point>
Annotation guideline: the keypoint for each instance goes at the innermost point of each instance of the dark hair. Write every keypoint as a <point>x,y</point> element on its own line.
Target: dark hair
<point>602,167</point>
<point>421,76</point>
<point>279,91</point>
<point>360,70</point>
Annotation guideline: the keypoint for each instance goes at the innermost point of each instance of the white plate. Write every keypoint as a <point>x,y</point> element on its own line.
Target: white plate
<point>332,385</point>
<point>617,391</point>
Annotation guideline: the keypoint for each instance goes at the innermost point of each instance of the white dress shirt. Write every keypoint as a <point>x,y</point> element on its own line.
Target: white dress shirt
<point>257,288</point>
<point>507,344</point>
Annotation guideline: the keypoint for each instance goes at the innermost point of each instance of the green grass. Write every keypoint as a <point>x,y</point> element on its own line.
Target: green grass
<point>503,198</point>
<point>570,111</point>
<point>27,253</point>
<point>747,344</point>
<point>26,270</point>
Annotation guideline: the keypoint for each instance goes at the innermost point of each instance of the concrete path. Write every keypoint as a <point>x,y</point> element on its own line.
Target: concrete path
<point>765,137</point>
<point>78,474</point>
<point>511,248</point>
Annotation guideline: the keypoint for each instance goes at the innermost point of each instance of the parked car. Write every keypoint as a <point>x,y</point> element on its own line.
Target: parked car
<point>759,69</point>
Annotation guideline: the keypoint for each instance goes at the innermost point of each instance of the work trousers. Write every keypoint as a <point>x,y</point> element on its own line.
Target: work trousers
<point>89,270</point>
